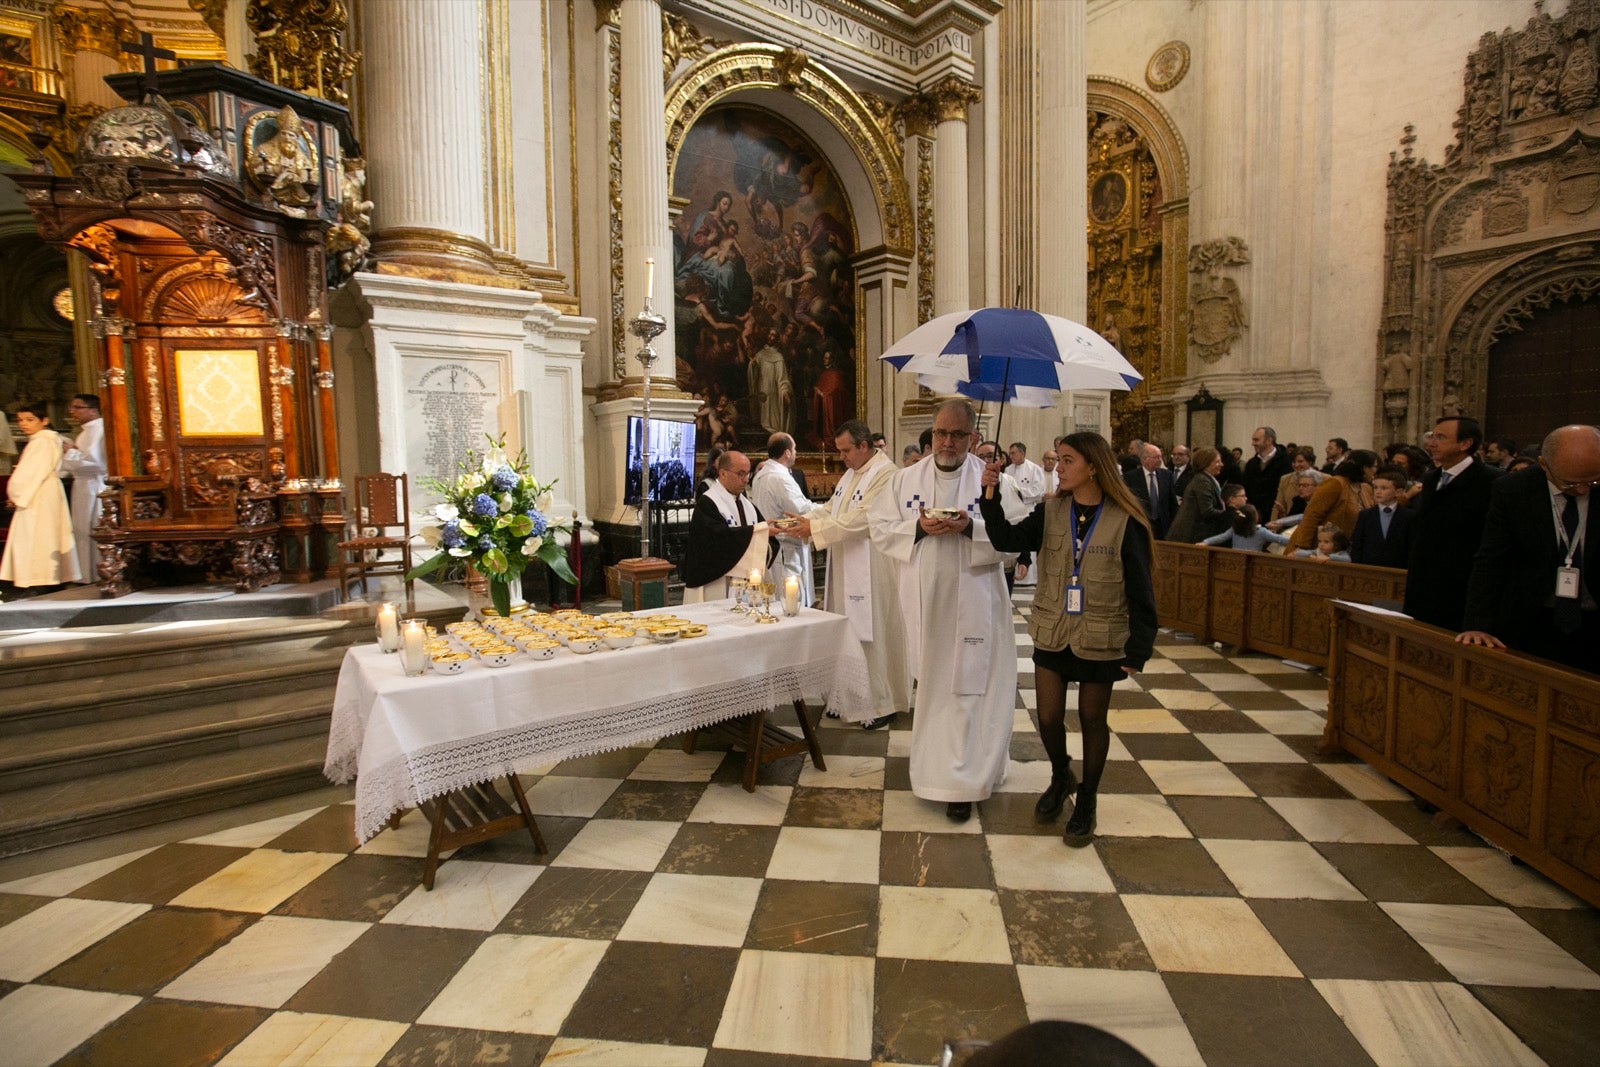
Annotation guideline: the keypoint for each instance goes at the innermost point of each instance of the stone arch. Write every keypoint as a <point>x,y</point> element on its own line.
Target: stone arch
<point>1140,110</point>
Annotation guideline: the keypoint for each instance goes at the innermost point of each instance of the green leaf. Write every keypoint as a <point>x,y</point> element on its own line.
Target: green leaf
<point>422,570</point>
<point>555,556</point>
<point>500,594</point>
<point>495,560</point>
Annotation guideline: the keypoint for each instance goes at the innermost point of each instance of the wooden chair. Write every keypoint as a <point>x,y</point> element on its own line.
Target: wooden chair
<point>383,505</point>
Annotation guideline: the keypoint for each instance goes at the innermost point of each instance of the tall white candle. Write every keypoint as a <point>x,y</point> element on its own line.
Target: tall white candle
<point>791,595</point>
<point>388,627</point>
<point>414,650</point>
<point>649,280</point>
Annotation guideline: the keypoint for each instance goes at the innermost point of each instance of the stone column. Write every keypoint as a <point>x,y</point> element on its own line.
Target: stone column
<point>90,49</point>
<point>952,271</point>
<point>644,186</point>
<point>425,128</point>
<point>1062,246</point>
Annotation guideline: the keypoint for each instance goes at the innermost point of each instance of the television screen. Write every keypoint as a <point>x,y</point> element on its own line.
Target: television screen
<point>672,473</point>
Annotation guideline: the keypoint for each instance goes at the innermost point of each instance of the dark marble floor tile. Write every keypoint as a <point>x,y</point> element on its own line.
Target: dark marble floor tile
<point>1122,776</point>
<point>157,877</point>
<point>919,1003</point>
<point>14,906</point>
<point>1126,697</point>
<point>1347,939</point>
<point>390,972</point>
<point>1166,746</point>
<point>149,952</point>
<point>1255,700</point>
<point>168,1033</point>
<point>780,772</point>
<point>1219,721</point>
<point>946,860</point>
<point>728,1057</point>
<point>1288,780</point>
<point>655,993</point>
<point>1309,748</point>
<point>837,919</point>
<point>1575,929</point>
<point>333,829</point>
<point>1303,681</point>
<point>843,809</point>
<point>1172,866</point>
<point>1425,828</point>
<point>557,830</point>
<point>1176,681</point>
<point>1235,818</point>
<point>1053,929</point>
<point>854,741</point>
<point>1012,813</point>
<point>618,764</point>
<point>1402,873</point>
<point>576,902</point>
<point>737,851</point>
<point>444,1046</point>
<point>357,888</point>
<point>897,773</point>
<point>1027,747</point>
<point>658,801</point>
<point>7,988</point>
<point>1245,1020</point>
<point>1561,1025</point>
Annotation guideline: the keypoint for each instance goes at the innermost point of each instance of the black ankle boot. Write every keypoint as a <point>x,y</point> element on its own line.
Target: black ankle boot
<point>1051,799</point>
<point>1080,828</point>
<point>958,810</point>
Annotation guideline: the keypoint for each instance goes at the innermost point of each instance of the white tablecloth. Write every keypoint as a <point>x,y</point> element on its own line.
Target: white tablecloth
<point>406,740</point>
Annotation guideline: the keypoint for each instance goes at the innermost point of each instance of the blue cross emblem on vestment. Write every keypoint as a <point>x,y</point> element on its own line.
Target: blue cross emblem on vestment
<point>915,502</point>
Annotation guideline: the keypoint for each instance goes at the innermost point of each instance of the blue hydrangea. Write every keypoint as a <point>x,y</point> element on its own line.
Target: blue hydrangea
<point>505,479</point>
<point>450,534</point>
<point>540,523</point>
<point>485,543</point>
<point>484,507</point>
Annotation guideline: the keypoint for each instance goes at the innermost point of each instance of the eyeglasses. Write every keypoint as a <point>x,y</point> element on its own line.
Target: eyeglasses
<point>741,475</point>
<point>1565,487</point>
<point>953,435</point>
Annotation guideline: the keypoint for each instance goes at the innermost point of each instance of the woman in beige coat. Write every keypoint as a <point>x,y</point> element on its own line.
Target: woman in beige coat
<point>40,550</point>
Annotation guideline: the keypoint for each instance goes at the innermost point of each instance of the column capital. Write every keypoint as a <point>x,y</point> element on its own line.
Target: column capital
<point>951,96</point>
<point>917,115</point>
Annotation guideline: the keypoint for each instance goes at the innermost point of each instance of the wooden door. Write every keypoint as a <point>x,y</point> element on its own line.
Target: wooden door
<point>1547,374</point>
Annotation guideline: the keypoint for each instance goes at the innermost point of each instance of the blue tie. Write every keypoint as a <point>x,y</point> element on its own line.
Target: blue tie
<point>1384,519</point>
<point>1444,478</point>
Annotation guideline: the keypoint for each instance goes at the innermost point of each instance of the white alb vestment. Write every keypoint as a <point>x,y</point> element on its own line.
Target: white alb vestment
<point>861,581</point>
<point>1032,481</point>
<point>39,547</point>
<point>87,464</point>
<point>754,558</point>
<point>776,493</point>
<point>960,642</point>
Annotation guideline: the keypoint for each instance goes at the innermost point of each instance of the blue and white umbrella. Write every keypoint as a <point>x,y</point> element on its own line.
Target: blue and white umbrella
<point>1010,355</point>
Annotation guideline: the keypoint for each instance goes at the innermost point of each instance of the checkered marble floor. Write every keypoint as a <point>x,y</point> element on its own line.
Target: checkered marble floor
<point>1247,901</point>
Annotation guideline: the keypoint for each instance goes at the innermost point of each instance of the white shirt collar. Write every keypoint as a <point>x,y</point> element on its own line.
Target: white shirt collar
<point>1456,471</point>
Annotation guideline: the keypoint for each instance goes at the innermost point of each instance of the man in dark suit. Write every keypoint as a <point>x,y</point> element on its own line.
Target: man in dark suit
<point>1261,473</point>
<point>1450,517</point>
<point>1382,537</point>
<point>1181,472</point>
<point>1542,527</point>
<point>1337,449</point>
<point>1133,457</point>
<point>1152,484</point>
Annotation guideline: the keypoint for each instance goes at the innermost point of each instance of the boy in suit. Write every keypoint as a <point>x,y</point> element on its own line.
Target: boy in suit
<point>1382,537</point>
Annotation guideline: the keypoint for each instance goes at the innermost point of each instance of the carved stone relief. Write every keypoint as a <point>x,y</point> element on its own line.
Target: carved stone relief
<point>1217,316</point>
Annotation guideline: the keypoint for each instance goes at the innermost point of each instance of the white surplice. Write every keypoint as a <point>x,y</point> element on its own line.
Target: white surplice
<point>754,558</point>
<point>861,581</point>
<point>39,546</point>
<point>1032,481</point>
<point>960,641</point>
<point>86,462</point>
<point>776,493</point>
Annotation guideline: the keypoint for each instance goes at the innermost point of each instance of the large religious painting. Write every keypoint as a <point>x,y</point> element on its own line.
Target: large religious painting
<point>765,294</point>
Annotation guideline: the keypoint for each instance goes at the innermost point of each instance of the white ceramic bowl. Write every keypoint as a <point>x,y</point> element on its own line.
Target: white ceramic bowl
<point>497,659</point>
<point>546,651</point>
<point>666,635</point>
<point>583,645</point>
<point>619,640</point>
<point>449,666</point>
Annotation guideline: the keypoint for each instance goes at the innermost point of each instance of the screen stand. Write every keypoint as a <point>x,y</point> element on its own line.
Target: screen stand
<point>643,580</point>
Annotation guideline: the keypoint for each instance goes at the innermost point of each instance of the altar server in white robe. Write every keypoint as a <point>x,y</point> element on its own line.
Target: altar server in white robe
<point>86,463</point>
<point>39,546</point>
<point>727,534</point>
<point>962,648</point>
<point>777,494</point>
<point>861,581</point>
<point>1032,484</point>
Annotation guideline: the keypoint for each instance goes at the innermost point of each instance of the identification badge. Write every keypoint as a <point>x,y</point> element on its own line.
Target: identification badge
<point>1567,582</point>
<point>1074,600</point>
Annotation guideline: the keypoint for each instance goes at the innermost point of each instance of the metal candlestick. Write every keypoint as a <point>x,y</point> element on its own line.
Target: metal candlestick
<point>647,326</point>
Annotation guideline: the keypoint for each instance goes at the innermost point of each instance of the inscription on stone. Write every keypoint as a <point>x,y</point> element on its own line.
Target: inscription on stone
<point>450,404</point>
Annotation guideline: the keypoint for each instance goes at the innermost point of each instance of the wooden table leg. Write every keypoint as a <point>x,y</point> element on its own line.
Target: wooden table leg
<point>752,755</point>
<point>527,814</point>
<point>435,840</point>
<point>810,733</point>
<point>475,813</point>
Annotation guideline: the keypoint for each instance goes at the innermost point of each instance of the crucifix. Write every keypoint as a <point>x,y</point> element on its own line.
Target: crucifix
<point>147,48</point>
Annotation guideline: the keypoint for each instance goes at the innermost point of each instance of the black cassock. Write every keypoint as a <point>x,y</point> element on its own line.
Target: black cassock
<point>714,546</point>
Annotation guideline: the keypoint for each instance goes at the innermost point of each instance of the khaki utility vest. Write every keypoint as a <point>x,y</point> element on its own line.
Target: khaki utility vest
<point>1101,632</point>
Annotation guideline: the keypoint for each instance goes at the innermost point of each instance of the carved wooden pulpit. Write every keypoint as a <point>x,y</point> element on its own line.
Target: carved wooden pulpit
<point>207,210</point>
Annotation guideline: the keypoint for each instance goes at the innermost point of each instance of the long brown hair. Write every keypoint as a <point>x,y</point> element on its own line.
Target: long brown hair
<point>1096,451</point>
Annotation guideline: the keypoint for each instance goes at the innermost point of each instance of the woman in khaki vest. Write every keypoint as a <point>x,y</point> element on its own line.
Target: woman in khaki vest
<point>1094,615</point>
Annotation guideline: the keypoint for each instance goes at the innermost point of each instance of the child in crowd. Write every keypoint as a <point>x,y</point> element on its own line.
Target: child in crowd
<point>1382,537</point>
<point>1332,544</point>
<point>1246,533</point>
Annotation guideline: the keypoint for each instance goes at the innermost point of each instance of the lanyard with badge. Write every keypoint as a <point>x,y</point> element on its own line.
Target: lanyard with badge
<point>1080,546</point>
<point>1566,574</point>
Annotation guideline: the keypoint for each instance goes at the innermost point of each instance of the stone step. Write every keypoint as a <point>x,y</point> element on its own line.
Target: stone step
<point>78,808</point>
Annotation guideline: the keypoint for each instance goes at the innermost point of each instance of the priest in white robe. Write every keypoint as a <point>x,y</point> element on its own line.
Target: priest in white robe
<point>962,648</point>
<point>1032,483</point>
<point>86,463</point>
<point>39,546</point>
<point>777,494</point>
<point>861,581</point>
<point>727,534</point>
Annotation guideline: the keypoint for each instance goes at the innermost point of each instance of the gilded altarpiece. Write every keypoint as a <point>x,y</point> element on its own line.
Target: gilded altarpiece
<point>1506,227</point>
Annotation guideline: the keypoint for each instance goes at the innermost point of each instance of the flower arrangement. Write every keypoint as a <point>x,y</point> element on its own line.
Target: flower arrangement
<point>496,517</point>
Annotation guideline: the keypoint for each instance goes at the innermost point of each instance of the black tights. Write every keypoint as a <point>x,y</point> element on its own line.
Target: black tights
<point>1094,700</point>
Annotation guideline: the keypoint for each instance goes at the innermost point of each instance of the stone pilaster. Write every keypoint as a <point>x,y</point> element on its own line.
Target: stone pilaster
<point>1061,246</point>
<point>644,184</point>
<point>952,270</point>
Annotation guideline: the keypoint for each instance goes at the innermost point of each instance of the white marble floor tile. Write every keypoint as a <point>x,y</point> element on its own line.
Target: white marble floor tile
<point>1137,815</point>
<point>1187,652</point>
<point>1199,778</point>
<point>58,931</point>
<point>900,743</point>
<point>777,998</point>
<point>410,838</point>
<point>1485,945</point>
<point>1030,698</point>
<point>40,1024</point>
<point>688,909</point>
<point>1146,720</point>
<point>1362,782</point>
<point>1249,748</point>
<point>1494,873</point>
<point>820,854</point>
<point>1039,862</point>
<point>256,834</point>
<point>467,895</point>
<point>1025,776</point>
<point>306,1040</point>
<point>258,881</point>
<point>1231,682</point>
<point>1260,664</point>
<point>902,810</point>
<point>479,997</point>
<point>731,804</point>
<point>1423,1024</point>
<point>1133,1005</point>
<point>1282,869</point>
<point>1315,699</point>
<point>594,1052</point>
<point>570,795</point>
<point>266,964</point>
<point>1021,723</point>
<point>676,765</point>
<point>1157,665</point>
<point>70,879</point>
<point>1351,821</point>
<point>1214,935</point>
<point>1188,699</point>
<point>953,925</point>
<point>845,772</point>
<point>1295,722</point>
<point>618,844</point>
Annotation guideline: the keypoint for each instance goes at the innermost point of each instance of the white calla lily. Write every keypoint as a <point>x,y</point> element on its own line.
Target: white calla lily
<point>531,546</point>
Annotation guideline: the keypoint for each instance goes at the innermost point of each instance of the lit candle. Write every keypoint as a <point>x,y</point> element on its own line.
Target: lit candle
<point>388,627</point>
<point>414,652</point>
<point>755,579</point>
<point>649,280</point>
<point>791,595</point>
